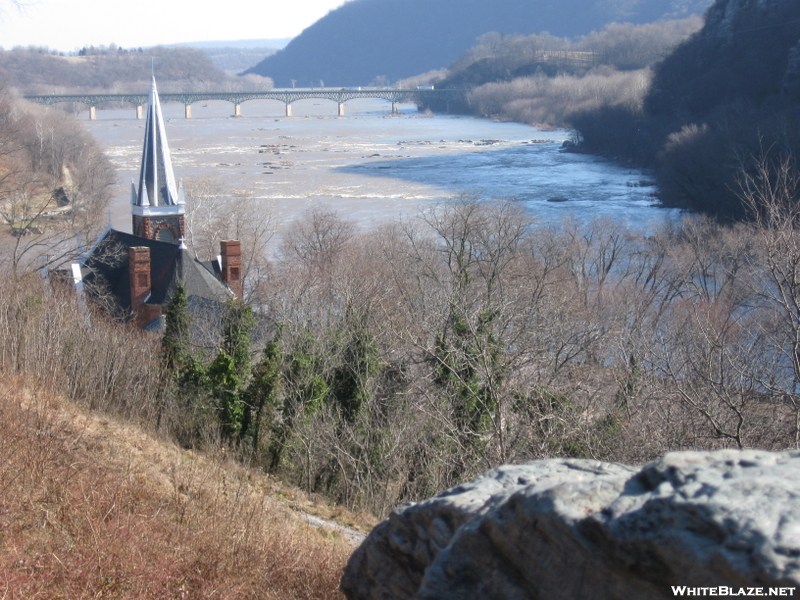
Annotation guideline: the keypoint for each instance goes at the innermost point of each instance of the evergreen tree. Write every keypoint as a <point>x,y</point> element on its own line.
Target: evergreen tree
<point>228,373</point>
<point>464,355</point>
<point>305,389</point>
<point>175,343</point>
<point>265,389</point>
<point>359,364</point>
<point>225,385</point>
<point>237,325</point>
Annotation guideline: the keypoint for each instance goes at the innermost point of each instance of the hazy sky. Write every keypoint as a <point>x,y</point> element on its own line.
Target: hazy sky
<point>71,24</point>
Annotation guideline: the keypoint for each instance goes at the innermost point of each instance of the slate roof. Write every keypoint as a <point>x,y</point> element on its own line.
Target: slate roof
<point>106,268</point>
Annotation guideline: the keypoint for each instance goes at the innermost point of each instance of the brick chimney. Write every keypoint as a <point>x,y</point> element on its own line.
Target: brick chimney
<point>139,267</point>
<point>231,252</point>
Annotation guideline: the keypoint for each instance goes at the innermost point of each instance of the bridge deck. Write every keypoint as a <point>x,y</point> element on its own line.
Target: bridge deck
<point>237,98</point>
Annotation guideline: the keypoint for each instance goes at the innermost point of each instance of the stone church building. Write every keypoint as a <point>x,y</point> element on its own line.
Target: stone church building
<point>134,276</point>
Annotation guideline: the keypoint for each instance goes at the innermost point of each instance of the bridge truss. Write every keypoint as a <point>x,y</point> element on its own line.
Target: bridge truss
<point>395,96</point>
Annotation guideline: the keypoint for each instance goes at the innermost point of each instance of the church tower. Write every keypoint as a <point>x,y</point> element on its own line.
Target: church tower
<point>158,204</point>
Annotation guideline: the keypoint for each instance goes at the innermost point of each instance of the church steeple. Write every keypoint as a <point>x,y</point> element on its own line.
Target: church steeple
<point>158,204</point>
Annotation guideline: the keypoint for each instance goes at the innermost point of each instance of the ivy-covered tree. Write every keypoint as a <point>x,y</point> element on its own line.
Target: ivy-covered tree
<point>238,322</point>
<point>229,372</point>
<point>175,343</point>
<point>467,358</point>
<point>225,385</point>
<point>186,371</point>
<point>304,388</point>
<point>357,367</point>
<point>264,394</point>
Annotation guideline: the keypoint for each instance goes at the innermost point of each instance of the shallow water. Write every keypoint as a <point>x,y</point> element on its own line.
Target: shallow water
<point>371,166</point>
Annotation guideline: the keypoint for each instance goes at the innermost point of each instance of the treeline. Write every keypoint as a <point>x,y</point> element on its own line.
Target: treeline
<point>396,362</point>
<point>55,184</point>
<point>544,80</point>
<point>103,50</point>
<point>91,50</point>
<point>114,70</point>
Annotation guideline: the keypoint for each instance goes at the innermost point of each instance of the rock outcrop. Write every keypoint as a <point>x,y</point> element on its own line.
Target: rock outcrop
<point>570,528</point>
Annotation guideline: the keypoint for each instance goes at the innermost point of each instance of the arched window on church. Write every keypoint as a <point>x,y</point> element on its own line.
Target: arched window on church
<point>165,235</point>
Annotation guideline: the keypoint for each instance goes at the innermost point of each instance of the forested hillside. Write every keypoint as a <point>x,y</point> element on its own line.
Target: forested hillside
<point>722,100</point>
<point>701,101</point>
<point>390,364</point>
<point>381,41</point>
<point>54,185</point>
<point>546,80</point>
<point>112,69</point>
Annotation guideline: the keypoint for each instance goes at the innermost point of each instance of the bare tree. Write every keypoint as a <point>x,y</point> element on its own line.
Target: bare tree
<point>55,187</point>
<point>317,238</point>
<point>771,194</point>
<point>217,212</point>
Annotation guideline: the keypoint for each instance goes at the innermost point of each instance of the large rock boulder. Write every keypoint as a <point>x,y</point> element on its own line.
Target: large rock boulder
<point>580,529</point>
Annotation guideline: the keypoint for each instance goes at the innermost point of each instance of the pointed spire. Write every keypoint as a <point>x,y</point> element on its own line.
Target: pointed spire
<point>156,178</point>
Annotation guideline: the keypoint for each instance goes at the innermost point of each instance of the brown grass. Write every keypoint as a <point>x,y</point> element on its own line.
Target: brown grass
<point>91,508</point>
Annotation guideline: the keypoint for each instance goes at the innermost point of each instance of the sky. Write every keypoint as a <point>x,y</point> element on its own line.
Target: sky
<point>68,25</point>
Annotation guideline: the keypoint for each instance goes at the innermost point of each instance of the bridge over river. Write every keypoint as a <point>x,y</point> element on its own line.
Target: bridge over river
<point>421,97</point>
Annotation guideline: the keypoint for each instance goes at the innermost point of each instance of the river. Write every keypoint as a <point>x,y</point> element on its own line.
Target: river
<point>371,166</point>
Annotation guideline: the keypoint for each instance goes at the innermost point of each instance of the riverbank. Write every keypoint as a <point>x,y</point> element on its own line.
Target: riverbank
<point>371,167</point>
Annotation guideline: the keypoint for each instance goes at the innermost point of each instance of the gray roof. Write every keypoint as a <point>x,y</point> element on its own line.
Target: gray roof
<point>106,268</point>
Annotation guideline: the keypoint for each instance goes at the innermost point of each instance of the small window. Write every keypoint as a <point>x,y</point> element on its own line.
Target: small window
<point>234,273</point>
<point>165,235</point>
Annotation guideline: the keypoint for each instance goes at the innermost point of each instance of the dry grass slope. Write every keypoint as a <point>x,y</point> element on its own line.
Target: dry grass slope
<point>91,508</point>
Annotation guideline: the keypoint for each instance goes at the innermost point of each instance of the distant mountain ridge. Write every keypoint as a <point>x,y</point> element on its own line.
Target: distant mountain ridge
<point>234,56</point>
<point>275,43</point>
<point>365,41</point>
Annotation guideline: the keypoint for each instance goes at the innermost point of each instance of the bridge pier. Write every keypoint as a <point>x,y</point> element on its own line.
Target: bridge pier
<point>340,96</point>
<point>237,110</point>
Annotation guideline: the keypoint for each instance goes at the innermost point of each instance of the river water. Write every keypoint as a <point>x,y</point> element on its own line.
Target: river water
<point>371,166</point>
